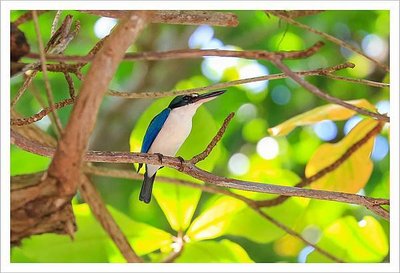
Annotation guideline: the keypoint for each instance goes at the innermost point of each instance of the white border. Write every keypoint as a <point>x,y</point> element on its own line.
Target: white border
<point>393,266</point>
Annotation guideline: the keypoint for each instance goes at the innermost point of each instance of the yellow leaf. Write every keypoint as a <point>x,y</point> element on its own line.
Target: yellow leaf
<point>330,111</point>
<point>354,172</point>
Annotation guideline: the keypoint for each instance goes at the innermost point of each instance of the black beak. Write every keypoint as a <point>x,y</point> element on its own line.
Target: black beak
<point>207,96</point>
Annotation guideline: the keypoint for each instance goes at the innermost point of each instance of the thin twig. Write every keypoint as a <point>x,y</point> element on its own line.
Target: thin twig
<point>360,81</point>
<point>297,235</point>
<point>329,37</point>
<point>71,86</point>
<point>298,13</point>
<point>214,141</point>
<point>27,16</point>
<point>185,17</point>
<point>49,92</point>
<point>22,89</point>
<point>328,169</point>
<point>195,53</point>
<point>223,85</point>
<point>93,198</point>
<point>190,169</point>
<point>42,113</point>
<point>63,68</point>
<point>55,22</point>
<point>316,91</point>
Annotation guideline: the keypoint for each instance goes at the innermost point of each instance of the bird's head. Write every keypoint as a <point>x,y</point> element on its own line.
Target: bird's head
<point>184,100</point>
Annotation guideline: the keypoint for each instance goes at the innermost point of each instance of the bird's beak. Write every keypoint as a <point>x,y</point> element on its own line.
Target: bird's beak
<point>208,96</point>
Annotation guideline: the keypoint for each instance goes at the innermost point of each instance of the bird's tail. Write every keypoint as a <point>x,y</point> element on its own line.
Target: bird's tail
<point>147,188</point>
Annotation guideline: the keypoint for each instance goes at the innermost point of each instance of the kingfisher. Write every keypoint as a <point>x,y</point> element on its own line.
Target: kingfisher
<point>168,131</point>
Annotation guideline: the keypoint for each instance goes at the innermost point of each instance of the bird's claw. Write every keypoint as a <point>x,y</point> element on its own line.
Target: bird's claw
<point>181,165</point>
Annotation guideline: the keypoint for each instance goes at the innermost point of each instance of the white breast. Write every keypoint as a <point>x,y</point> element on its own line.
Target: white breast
<point>173,134</point>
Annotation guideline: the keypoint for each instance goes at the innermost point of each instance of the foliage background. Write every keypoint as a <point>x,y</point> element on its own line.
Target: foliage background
<point>221,229</point>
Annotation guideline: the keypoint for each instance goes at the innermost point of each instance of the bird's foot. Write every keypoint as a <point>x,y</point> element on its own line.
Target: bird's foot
<point>160,157</point>
<point>181,167</point>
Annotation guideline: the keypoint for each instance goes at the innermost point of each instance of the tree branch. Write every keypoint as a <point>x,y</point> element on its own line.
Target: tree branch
<point>360,81</point>
<point>214,141</point>
<point>316,91</point>
<point>93,198</point>
<point>335,40</point>
<point>183,17</point>
<point>298,13</point>
<point>27,16</point>
<point>156,94</point>
<point>42,113</point>
<point>49,92</point>
<point>65,166</point>
<point>195,53</point>
<point>188,168</point>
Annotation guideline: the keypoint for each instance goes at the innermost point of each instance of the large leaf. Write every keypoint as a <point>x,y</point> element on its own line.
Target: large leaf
<point>249,224</point>
<point>353,241</point>
<point>329,111</point>
<point>226,215</point>
<point>91,243</point>
<point>352,174</point>
<point>214,220</point>
<point>177,202</point>
<point>223,251</point>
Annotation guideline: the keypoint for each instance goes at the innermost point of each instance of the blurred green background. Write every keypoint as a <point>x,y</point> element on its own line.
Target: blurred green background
<point>219,228</point>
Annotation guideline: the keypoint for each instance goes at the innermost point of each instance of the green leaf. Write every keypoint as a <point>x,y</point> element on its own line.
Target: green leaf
<point>223,251</point>
<point>215,219</point>
<point>249,224</point>
<point>317,215</point>
<point>91,243</point>
<point>177,202</point>
<point>352,174</point>
<point>329,111</point>
<point>226,215</point>
<point>353,241</point>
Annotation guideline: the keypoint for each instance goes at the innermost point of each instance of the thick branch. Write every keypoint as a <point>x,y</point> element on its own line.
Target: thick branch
<point>316,91</point>
<point>182,17</point>
<point>37,208</point>
<point>65,166</point>
<point>331,38</point>
<point>190,169</point>
<point>196,53</point>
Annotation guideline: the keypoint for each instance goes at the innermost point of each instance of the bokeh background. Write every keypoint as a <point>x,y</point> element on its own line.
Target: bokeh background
<point>221,229</point>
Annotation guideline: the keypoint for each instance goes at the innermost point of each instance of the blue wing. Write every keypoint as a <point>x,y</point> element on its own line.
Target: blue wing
<point>152,131</point>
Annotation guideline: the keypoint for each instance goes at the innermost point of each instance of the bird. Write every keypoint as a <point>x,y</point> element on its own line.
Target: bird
<point>167,132</point>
